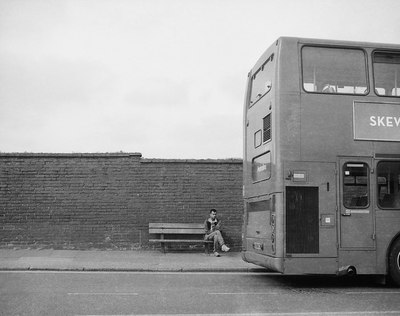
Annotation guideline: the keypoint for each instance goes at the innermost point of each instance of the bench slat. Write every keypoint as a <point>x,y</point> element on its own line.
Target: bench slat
<point>176,225</point>
<point>180,240</point>
<point>176,231</point>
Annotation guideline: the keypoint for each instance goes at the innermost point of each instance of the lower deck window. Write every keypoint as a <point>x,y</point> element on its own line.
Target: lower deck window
<point>389,185</point>
<point>355,185</point>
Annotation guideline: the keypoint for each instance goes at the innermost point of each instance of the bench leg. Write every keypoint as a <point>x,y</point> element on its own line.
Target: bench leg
<point>162,244</point>
<point>206,249</point>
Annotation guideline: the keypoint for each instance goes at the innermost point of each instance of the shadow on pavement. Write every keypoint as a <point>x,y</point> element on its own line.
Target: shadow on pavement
<point>328,281</point>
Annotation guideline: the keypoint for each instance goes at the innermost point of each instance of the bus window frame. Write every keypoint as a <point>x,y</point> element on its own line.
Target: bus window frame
<point>269,171</point>
<point>270,59</point>
<point>373,72</point>
<point>368,185</point>
<point>366,64</point>
<point>381,207</point>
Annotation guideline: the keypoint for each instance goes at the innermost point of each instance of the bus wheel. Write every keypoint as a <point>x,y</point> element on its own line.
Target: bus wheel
<point>394,262</point>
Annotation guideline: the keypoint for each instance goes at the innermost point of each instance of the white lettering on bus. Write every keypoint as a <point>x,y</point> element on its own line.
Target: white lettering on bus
<point>384,121</point>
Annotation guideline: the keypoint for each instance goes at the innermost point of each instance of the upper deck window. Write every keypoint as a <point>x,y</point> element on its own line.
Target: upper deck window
<point>387,73</point>
<point>261,81</point>
<point>334,70</point>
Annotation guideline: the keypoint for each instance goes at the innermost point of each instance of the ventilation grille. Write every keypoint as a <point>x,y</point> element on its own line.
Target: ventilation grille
<point>302,220</point>
<point>267,128</point>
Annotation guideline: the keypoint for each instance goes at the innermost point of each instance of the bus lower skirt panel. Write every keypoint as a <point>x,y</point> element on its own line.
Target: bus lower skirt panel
<point>310,266</point>
<point>299,265</point>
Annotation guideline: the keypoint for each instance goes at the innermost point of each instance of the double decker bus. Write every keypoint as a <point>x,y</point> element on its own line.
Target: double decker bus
<point>322,158</point>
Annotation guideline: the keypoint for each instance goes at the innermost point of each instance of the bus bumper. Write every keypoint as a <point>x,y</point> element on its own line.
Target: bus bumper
<point>271,263</point>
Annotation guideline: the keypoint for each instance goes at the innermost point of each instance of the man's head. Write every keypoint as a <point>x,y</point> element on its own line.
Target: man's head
<point>213,213</point>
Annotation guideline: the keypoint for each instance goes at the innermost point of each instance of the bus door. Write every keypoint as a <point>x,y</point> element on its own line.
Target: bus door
<point>311,219</point>
<point>356,211</point>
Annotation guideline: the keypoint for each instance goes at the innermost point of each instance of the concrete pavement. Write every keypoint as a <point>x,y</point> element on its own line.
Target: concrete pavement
<point>114,260</point>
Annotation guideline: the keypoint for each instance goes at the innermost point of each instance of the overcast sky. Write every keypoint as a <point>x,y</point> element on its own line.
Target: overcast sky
<point>165,78</point>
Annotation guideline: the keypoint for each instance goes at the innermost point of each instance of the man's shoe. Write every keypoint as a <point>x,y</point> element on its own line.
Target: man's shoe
<point>216,254</point>
<point>225,248</point>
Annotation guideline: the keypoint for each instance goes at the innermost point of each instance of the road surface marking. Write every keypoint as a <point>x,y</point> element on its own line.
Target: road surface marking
<point>246,293</point>
<point>135,272</point>
<point>374,292</point>
<point>106,293</point>
<point>361,313</point>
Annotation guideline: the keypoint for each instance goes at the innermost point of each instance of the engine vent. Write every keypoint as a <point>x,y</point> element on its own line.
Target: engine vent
<point>302,220</point>
<point>267,128</point>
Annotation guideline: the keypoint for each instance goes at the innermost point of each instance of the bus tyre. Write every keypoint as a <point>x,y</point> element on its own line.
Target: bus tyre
<point>394,263</point>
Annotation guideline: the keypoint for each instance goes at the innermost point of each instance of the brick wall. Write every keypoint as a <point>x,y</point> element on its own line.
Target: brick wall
<point>105,201</point>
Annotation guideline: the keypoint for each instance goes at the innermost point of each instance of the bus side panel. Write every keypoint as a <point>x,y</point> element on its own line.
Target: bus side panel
<point>387,227</point>
<point>364,261</point>
<point>311,209</point>
<point>325,134</point>
<point>310,265</point>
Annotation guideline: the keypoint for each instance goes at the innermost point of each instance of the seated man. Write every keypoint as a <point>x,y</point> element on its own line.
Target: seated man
<point>212,226</point>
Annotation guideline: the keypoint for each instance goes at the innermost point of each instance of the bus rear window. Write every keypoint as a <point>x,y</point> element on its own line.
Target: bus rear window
<point>334,70</point>
<point>387,73</point>
<point>261,167</point>
<point>261,81</point>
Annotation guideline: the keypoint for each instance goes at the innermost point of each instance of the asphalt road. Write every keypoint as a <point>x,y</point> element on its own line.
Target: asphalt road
<point>125,293</point>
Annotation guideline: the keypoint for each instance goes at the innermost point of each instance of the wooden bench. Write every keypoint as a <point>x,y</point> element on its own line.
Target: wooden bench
<point>178,233</point>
